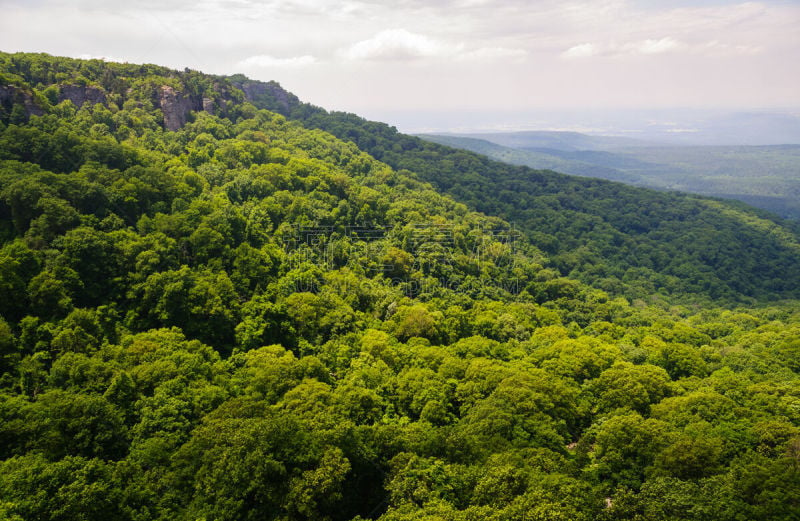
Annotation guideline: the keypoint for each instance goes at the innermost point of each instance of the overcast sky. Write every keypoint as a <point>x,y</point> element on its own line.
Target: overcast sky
<point>368,56</point>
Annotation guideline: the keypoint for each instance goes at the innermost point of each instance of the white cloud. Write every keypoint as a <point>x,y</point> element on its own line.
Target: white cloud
<point>401,44</point>
<point>398,44</point>
<point>583,50</point>
<point>267,61</point>
<point>660,46</point>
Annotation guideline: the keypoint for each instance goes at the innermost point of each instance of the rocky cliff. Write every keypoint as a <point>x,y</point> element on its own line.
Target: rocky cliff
<point>11,95</point>
<point>80,94</point>
<point>177,106</point>
<point>269,94</point>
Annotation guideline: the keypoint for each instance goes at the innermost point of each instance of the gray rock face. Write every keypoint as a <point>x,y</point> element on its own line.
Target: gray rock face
<point>283,98</point>
<point>6,95</point>
<point>79,95</point>
<point>270,93</point>
<point>31,108</point>
<point>208,105</point>
<point>10,95</point>
<point>176,107</point>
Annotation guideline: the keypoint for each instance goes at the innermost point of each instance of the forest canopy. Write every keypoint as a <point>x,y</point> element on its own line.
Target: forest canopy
<point>216,311</point>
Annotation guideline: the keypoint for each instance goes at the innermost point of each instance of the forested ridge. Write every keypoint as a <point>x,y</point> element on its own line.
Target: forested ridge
<point>626,240</point>
<point>210,311</point>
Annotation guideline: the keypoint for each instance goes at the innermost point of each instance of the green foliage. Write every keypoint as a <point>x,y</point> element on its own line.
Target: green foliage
<point>622,239</point>
<point>247,319</point>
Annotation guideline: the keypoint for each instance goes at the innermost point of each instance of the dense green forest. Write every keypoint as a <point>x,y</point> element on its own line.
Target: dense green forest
<point>210,311</point>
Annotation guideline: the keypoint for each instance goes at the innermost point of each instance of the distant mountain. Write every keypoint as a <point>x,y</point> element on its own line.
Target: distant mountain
<point>606,129</point>
<point>767,177</point>
<point>552,140</point>
<point>556,159</point>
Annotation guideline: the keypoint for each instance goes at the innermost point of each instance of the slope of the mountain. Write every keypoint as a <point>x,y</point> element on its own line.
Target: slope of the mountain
<point>766,177</point>
<point>627,240</point>
<point>245,319</point>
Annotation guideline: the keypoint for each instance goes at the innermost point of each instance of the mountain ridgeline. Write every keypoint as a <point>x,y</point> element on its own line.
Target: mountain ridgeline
<point>221,303</point>
<point>625,240</point>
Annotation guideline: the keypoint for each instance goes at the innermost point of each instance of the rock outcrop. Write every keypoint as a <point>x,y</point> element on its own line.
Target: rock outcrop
<point>208,105</point>
<point>176,107</point>
<point>7,95</point>
<point>269,94</point>
<point>79,94</point>
<point>11,95</point>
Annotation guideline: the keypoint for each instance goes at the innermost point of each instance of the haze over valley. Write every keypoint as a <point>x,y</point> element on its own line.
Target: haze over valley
<point>717,159</point>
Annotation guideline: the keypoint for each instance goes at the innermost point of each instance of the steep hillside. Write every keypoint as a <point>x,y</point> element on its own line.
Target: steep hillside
<point>244,319</point>
<point>627,240</point>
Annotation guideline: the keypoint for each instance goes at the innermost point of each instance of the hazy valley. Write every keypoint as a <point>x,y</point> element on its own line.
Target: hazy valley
<point>766,176</point>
